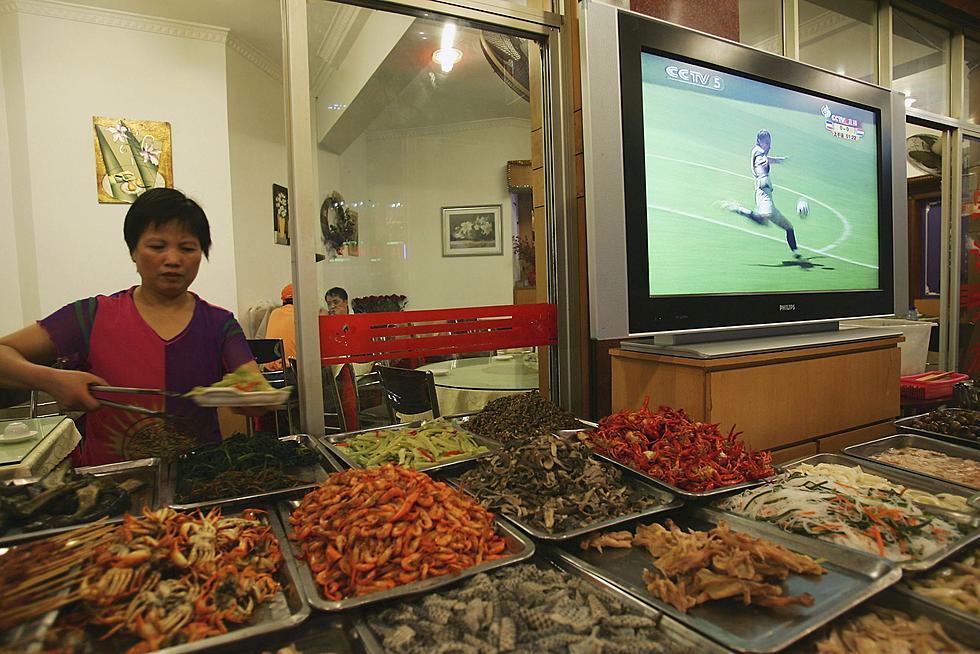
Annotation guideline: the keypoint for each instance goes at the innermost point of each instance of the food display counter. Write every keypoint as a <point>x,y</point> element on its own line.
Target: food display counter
<point>646,531</point>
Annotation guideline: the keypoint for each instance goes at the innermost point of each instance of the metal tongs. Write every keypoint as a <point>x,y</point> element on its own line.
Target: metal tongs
<point>135,408</point>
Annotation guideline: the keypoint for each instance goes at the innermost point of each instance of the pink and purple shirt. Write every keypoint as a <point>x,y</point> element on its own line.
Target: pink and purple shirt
<point>107,336</point>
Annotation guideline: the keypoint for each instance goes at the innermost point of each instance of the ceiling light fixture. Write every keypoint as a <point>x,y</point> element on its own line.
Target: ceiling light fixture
<point>447,56</point>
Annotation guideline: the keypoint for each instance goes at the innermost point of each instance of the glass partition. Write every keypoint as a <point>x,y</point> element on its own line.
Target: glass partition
<point>920,58</point>
<point>971,81</point>
<point>969,345</point>
<point>430,192</point>
<point>760,24</point>
<point>839,35</point>
<point>927,239</point>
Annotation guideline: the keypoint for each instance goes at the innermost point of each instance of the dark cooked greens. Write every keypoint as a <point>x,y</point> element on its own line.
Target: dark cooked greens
<point>241,465</point>
<point>63,498</point>
<point>517,416</point>
<point>552,483</point>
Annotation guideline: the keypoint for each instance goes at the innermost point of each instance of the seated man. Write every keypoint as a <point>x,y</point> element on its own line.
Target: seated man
<point>282,324</point>
<point>336,299</point>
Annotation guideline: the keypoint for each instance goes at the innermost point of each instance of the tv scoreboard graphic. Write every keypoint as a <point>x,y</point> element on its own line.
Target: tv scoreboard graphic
<point>842,127</point>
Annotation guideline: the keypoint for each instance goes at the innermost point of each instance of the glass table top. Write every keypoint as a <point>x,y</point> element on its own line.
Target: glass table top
<point>499,373</point>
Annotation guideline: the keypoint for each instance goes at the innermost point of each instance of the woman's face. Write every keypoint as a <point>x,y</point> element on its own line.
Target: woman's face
<point>167,258</point>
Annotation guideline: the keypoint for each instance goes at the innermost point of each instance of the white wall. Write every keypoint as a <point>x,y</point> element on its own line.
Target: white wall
<point>257,142</point>
<point>426,169</point>
<point>73,71</point>
<point>12,315</point>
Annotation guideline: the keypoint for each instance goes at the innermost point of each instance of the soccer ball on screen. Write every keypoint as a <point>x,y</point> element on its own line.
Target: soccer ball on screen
<point>803,208</point>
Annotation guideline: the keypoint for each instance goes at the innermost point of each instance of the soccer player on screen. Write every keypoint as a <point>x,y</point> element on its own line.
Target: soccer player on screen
<point>765,211</point>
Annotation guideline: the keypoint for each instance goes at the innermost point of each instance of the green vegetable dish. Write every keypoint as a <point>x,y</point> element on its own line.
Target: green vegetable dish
<point>434,442</point>
<point>242,465</point>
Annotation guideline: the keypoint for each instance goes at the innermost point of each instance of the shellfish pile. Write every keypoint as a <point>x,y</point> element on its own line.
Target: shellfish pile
<point>363,531</point>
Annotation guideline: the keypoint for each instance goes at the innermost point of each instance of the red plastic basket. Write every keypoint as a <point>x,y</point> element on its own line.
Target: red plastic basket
<point>931,385</point>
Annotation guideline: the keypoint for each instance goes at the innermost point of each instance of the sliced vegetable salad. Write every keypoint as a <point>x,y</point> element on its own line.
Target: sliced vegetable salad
<point>435,441</point>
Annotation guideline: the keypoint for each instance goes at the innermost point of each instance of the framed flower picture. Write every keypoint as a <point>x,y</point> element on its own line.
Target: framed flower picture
<point>131,156</point>
<point>472,231</point>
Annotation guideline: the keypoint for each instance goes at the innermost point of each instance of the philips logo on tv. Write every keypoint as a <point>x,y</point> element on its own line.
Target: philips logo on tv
<point>787,307</point>
<point>695,77</point>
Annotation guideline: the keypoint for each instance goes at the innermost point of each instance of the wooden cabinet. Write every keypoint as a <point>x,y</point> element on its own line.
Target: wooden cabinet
<point>777,399</point>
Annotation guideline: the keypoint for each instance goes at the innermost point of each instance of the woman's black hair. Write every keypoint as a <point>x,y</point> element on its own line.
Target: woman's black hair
<point>159,206</point>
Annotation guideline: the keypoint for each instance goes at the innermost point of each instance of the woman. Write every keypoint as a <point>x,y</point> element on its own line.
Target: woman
<point>155,335</point>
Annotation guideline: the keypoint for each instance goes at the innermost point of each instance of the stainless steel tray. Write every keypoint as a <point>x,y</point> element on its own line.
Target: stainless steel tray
<point>910,480</point>
<point>963,631</point>
<point>519,546</point>
<point>851,578</point>
<point>867,451</point>
<point>903,424</point>
<point>288,609</point>
<point>677,634</point>
<point>906,589</point>
<point>315,473</point>
<point>330,442</point>
<point>151,494</point>
<point>639,486</point>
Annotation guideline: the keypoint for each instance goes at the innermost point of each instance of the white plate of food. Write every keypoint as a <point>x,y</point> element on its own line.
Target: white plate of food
<point>240,388</point>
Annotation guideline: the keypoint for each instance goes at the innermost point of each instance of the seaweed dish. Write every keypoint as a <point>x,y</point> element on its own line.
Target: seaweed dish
<point>62,498</point>
<point>242,465</point>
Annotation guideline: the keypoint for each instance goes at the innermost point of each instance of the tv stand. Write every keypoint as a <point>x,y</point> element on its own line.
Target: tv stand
<point>796,399</point>
<point>714,345</point>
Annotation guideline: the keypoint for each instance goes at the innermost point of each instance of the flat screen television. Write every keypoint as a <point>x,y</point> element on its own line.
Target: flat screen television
<point>728,187</point>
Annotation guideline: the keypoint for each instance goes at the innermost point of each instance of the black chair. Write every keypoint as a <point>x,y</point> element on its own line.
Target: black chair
<point>269,350</point>
<point>408,391</point>
<point>333,414</point>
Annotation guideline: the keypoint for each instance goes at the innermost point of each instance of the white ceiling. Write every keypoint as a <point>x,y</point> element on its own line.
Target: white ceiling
<point>472,91</point>
<point>256,21</point>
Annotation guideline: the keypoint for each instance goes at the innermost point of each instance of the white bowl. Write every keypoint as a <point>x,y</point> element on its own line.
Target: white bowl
<point>503,357</point>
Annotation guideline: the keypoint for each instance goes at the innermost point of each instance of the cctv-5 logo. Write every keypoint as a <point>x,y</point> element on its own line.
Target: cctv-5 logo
<point>696,77</point>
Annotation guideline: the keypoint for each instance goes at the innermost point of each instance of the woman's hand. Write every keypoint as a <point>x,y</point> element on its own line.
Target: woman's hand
<point>70,389</point>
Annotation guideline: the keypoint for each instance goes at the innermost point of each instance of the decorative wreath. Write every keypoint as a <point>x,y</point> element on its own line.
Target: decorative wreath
<point>340,231</point>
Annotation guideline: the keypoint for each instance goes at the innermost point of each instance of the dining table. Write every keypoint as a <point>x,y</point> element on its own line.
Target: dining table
<point>467,385</point>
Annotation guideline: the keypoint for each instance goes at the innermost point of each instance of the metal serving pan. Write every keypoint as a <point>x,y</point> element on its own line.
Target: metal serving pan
<point>151,494</point>
<point>519,546</point>
<point>638,486</point>
<point>288,609</point>
<point>676,633</point>
<point>316,473</point>
<point>963,631</point>
<point>917,482</point>
<point>687,495</point>
<point>331,442</point>
<point>867,451</point>
<point>906,589</point>
<point>851,578</point>
<point>904,424</point>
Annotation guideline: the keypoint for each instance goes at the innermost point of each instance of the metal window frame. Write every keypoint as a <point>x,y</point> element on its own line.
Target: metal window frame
<point>557,123</point>
<point>955,128</point>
